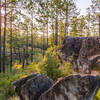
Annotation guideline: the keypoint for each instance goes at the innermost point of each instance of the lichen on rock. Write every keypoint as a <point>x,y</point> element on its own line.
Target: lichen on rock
<point>31,87</point>
<point>85,51</point>
<point>73,87</point>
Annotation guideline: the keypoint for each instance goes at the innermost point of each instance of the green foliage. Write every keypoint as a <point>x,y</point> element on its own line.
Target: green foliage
<point>6,79</point>
<point>49,65</point>
<point>6,86</point>
<point>13,0</point>
<point>97,97</point>
<point>52,66</point>
<point>13,98</point>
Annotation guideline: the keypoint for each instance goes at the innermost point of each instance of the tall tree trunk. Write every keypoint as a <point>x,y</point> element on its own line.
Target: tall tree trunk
<point>11,42</point>
<point>0,36</point>
<point>66,22</point>
<point>19,55</point>
<point>32,43</point>
<point>61,32</point>
<point>4,39</point>
<point>56,30</point>
<point>53,36</point>
<point>43,44</point>
<point>27,48</point>
<point>23,65</point>
<point>89,26</point>
<point>53,31</point>
<point>99,25</point>
<point>47,32</point>
<point>19,49</point>
<point>14,50</point>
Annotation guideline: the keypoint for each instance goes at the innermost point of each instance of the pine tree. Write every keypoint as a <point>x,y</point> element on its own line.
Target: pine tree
<point>4,39</point>
<point>0,36</point>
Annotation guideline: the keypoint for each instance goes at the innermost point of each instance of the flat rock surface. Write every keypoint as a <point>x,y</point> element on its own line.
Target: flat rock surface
<point>74,87</point>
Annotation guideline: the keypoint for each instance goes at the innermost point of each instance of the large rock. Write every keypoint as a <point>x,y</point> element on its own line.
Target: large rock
<point>85,52</point>
<point>31,87</point>
<point>74,87</point>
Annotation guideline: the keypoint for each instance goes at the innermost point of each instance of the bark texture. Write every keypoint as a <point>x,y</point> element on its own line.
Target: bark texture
<point>4,38</point>
<point>0,36</point>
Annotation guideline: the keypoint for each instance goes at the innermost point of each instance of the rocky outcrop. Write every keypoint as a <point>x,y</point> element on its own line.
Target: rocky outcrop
<point>85,52</point>
<point>74,87</point>
<point>86,57</point>
<point>31,87</point>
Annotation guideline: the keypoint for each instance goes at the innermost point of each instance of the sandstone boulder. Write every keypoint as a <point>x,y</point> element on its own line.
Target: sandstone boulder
<point>74,87</point>
<point>31,87</point>
<point>85,52</point>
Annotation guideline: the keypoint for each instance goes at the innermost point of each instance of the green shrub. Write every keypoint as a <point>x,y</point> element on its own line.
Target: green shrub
<point>97,97</point>
<point>6,89</point>
<point>51,65</point>
<point>6,79</point>
<point>13,98</point>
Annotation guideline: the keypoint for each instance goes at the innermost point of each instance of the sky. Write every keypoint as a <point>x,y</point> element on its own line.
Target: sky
<point>82,5</point>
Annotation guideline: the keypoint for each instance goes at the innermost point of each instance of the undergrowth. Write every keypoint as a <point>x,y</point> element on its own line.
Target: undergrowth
<point>50,65</point>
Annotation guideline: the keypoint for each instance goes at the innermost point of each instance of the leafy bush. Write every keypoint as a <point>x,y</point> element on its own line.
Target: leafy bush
<point>97,97</point>
<point>51,65</point>
<point>6,79</point>
<point>6,89</point>
<point>13,98</point>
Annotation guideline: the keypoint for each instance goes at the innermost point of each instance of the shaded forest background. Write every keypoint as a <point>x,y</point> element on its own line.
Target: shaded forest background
<point>30,30</point>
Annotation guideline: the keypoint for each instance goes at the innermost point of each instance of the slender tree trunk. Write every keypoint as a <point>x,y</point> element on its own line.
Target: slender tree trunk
<point>66,23</point>
<point>23,58</point>
<point>11,42</point>
<point>47,32</point>
<point>61,36</point>
<point>19,55</point>
<point>53,36</point>
<point>99,25</point>
<point>43,44</point>
<point>27,48</point>
<point>19,49</point>
<point>32,43</point>
<point>58,39</point>
<point>56,30</point>
<point>89,27</point>
<point>0,36</point>
<point>14,48</point>
<point>53,32</point>
<point>31,46</point>
<point>4,39</point>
